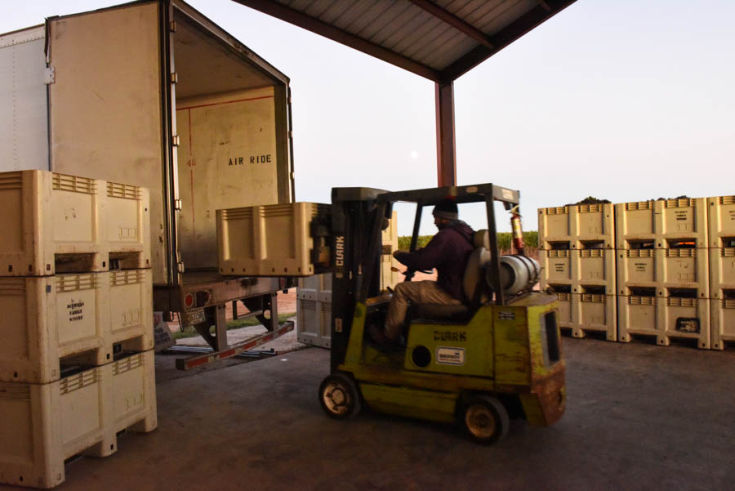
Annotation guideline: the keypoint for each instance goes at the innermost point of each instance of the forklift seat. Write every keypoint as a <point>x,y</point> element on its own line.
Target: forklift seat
<point>473,283</point>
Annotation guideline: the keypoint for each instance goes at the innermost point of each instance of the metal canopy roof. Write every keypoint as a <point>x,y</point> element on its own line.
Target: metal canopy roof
<point>437,39</point>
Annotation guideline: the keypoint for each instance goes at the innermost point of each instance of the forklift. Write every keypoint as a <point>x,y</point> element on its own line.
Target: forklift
<point>496,356</point>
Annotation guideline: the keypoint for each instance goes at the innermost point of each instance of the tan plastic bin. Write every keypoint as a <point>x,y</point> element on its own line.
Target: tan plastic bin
<point>721,220</point>
<point>271,240</point>
<point>661,221</point>
<point>314,310</point>
<point>665,318</point>
<point>48,318</point>
<point>662,269</point>
<point>131,307</point>
<point>389,277</point>
<point>126,223</point>
<point>565,310</point>
<point>722,270</point>
<point>132,393</point>
<point>57,223</point>
<point>75,318</point>
<point>578,268</point>
<point>637,268</point>
<point>44,424</point>
<point>595,267</point>
<point>593,312</point>
<point>685,268</point>
<point>723,319</point>
<point>556,267</point>
<point>592,223</point>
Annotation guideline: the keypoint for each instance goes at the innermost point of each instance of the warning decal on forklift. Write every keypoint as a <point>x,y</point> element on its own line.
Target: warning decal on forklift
<point>450,356</point>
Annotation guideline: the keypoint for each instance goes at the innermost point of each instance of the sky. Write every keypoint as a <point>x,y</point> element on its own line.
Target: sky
<point>623,100</point>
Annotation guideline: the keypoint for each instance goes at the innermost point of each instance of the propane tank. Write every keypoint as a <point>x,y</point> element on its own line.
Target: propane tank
<point>518,273</point>
<point>516,227</point>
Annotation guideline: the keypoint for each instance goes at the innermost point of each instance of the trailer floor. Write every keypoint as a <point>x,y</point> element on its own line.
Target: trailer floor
<point>638,416</point>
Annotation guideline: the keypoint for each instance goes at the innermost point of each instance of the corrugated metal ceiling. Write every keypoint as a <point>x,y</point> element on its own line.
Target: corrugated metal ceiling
<point>438,39</point>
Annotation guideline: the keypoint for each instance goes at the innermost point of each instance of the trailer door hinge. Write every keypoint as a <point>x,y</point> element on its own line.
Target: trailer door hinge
<point>174,77</point>
<point>178,205</point>
<point>175,140</point>
<point>49,75</point>
<point>172,26</point>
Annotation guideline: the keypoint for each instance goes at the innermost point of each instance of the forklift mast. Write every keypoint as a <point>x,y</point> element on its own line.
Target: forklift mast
<point>357,220</point>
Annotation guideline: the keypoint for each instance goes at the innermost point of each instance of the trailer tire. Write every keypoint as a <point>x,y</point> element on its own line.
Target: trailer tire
<point>484,419</point>
<point>339,397</point>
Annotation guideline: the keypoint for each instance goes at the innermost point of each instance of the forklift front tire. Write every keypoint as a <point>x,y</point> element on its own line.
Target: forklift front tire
<point>339,397</point>
<point>484,418</point>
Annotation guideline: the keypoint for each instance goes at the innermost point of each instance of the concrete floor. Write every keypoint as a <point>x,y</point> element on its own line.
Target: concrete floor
<point>638,417</point>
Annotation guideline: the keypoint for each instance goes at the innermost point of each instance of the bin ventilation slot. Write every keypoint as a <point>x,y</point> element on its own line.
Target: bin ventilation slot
<point>643,300</point>
<point>683,244</point>
<point>594,290</point>
<point>74,263</point>
<point>679,203</point>
<point>11,181</point>
<point>639,205</point>
<point>683,292</point>
<point>125,191</point>
<point>642,292</point>
<point>559,246</point>
<point>74,184</point>
<point>641,244</point>
<point>561,288</point>
<point>593,244</point>
<point>125,260</point>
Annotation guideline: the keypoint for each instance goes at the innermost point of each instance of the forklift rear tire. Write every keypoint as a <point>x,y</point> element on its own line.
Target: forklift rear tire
<point>339,397</point>
<point>484,418</point>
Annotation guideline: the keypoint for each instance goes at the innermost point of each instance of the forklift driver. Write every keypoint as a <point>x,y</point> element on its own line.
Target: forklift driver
<point>448,252</point>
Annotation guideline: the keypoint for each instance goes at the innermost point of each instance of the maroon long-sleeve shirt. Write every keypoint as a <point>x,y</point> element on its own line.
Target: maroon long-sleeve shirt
<point>448,252</point>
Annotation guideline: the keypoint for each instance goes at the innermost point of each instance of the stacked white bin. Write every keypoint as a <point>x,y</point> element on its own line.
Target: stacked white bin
<point>663,275</point>
<point>722,269</point>
<point>76,362</point>
<point>578,263</point>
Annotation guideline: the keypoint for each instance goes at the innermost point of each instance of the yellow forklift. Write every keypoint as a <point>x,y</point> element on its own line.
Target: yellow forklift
<point>477,364</point>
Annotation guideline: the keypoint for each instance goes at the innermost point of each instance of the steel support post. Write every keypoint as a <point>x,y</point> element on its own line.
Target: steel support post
<point>445,143</point>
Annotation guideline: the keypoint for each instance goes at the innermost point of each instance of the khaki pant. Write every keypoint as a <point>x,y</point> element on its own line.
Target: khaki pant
<point>412,292</point>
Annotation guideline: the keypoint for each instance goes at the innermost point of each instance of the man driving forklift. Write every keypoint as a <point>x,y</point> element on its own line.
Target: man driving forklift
<point>448,252</point>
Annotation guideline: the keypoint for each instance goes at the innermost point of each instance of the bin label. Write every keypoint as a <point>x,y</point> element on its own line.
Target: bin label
<point>75,310</point>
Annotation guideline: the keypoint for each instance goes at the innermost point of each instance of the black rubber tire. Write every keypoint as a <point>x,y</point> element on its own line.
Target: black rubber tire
<point>484,419</point>
<point>339,397</point>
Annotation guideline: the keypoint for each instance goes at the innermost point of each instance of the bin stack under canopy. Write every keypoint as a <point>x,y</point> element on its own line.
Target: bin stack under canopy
<point>671,272</point>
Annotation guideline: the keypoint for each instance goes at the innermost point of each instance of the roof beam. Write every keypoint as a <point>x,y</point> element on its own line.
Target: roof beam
<point>527,22</point>
<point>454,21</point>
<point>316,26</point>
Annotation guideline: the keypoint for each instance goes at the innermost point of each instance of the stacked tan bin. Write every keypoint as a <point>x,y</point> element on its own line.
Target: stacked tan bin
<point>663,273</point>
<point>76,361</point>
<point>576,251</point>
<point>722,269</point>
